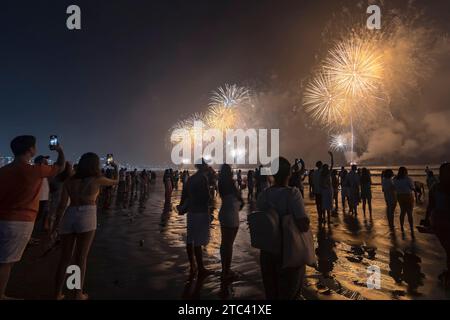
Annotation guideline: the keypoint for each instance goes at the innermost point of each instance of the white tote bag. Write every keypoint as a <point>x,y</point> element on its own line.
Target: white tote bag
<point>298,247</point>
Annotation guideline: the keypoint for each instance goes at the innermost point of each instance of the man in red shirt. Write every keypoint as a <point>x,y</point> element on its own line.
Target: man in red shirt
<point>20,186</point>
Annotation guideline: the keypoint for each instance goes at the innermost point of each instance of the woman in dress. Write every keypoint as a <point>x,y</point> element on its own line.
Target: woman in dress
<point>327,193</point>
<point>232,203</point>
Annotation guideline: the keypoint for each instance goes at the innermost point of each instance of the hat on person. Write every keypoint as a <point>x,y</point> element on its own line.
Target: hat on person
<point>40,159</point>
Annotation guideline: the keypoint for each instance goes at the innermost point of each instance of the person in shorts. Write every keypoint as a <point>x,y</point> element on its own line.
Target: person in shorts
<point>20,190</point>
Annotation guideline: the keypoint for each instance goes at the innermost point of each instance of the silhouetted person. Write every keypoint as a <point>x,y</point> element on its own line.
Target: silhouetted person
<point>168,189</point>
<point>366,190</point>
<point>335,185</point>
<point>431,179</point>
<point>326,192</point>
<point>404,188</point>
<point>232,203</point>
<point>353,180</point>
<point>197,193</point>
<point>390,196</point>
<point>345,187</point>
<point>297,176</point>
<point>439,213</point>
<point>419,190</point>
<point>283,283</point>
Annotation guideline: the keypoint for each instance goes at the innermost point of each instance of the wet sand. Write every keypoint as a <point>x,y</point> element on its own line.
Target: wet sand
<point>140,254</point>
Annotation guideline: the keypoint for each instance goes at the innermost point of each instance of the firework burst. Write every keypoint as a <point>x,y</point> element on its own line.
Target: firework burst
<point>341,142</point>
<point>227,107</point>
<point>356,67</point>
<point>230,96</point>
<point>323,102</point>
<point>185,128</point>
<point>222,118</point>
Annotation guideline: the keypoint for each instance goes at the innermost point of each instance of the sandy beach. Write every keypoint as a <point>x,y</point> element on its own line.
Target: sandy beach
<point>140,254</point>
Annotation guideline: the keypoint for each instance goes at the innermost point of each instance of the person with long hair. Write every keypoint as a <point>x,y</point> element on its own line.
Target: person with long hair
<point>439,211</point>
<point>390,196</point>
<point>366,190</point>
<point>77,222</point>
<point>282,283</point>
<point>232,203</point>
<point>404,188</point>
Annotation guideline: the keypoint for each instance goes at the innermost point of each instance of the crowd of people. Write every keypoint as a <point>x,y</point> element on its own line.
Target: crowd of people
<point>63,200</point>
<point>60,201</point>
<point>284,193</point>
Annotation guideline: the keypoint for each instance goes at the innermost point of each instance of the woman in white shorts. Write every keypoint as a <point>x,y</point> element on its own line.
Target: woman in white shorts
<point>77,223</point>
<point>232,203</point>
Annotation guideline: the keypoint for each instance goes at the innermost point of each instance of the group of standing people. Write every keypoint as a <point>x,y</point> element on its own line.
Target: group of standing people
<point>61,201</point>
<point>70,210</point>
<point>197,201</point>
<point>73,205</point>
<point>133,186</point>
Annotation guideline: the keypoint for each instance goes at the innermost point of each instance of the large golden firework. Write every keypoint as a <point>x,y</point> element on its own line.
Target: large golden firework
<point>356,67</point>
<point>323,101</point>
<point>222,118</point>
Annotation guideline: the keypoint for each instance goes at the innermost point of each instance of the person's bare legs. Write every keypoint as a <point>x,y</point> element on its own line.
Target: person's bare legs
<point>191,257</point>
<point>67,245</point>
<point>364,206</point>
<point>343,202</point>
<point>82,248</point>
<point>402,218</point>
<point>5,272</point>
<point>202,271</point>
<point>411,221</point>
<point>226,249</point>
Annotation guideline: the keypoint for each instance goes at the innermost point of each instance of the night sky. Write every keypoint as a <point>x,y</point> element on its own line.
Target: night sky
<point>137,66</point>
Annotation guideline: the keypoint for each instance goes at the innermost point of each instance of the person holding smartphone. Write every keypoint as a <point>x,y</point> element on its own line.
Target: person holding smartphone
<point>20,185</point>
<point>77,223</point>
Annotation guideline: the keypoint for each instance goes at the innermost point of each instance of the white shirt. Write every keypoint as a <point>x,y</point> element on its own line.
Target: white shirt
<point>45,190</point>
